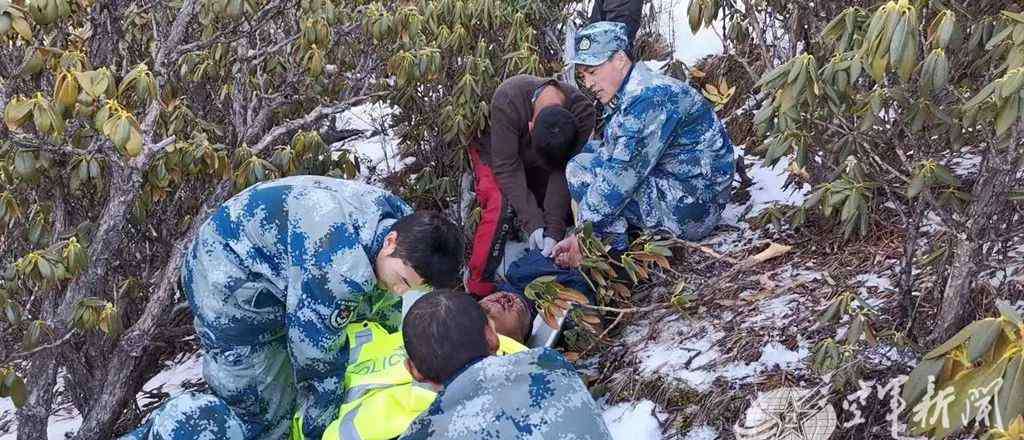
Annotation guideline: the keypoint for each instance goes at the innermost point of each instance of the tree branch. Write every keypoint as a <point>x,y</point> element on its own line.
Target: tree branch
<point>63,340</point>
<point>149,151</point>
<point>25,142</point>
<point>318,113</point>
<point>173,41</point>
<point>257,57</point>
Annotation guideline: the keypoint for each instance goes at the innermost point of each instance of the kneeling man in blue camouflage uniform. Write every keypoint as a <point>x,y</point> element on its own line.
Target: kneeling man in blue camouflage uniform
<point>535,394</point>
<point>665,161</point>
<point>272,279</point>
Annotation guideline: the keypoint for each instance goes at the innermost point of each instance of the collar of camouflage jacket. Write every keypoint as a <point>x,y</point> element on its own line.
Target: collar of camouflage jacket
<point>621,92</point>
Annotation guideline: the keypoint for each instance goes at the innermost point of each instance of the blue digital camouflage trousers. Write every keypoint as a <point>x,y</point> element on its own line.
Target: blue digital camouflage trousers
<point>664,163</point>
<point>272,279</point>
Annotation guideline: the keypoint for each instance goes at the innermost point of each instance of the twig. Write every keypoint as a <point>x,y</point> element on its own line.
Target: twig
<point>600,338</point>
<point>63,340</point>
<point>749,107</point>
<point>150,151</point>
<point>706,250</point>
<point>649,308</point>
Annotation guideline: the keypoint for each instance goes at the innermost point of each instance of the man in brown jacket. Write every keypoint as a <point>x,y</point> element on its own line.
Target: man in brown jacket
<point>536,126</point>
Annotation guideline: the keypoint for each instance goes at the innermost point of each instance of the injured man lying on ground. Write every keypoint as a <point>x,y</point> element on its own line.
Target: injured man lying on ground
<point>382,398</point>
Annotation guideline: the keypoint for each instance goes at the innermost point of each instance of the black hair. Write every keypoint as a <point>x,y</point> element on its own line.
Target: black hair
<point>433,246</point>
<point>554,136</point>
<point>443,332</point>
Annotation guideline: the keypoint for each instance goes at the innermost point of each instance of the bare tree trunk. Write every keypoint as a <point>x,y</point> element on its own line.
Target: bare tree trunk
<point>132,353</point>
<point>906,282</point>
<point>989,191</point>
<point>126,185</point>
<point>33,417</point>
<point>106,19</point>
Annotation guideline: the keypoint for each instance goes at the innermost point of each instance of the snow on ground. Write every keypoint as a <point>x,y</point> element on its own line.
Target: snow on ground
<point>689,351</point>
<point>174,374</point>
<point>633,421</point>
<point>767,189</point>
<point>61,425</point>
<point>67,420</point>
<point>868,280</point>
<point>702,432</point>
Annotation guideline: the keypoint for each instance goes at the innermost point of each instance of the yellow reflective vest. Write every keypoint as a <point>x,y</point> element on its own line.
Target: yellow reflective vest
<point>381,397</point>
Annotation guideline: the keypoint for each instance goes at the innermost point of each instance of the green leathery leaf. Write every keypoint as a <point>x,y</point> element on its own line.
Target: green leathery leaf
<point>945,30</point>
<point>1009,312</point>
<point>19,394</point>
<point>899,37</point>
<point>855,331</point>
<point>1010,404</point>
<point>1007,115</point>
<point>940,75</point>
<point>954,342</point>
<point>943,175</point>
<point>851,207</point>
<point>981,340</point>
<point>917,384</point>
<point>915,186</point>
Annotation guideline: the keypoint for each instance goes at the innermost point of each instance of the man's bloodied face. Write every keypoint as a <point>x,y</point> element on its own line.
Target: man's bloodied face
<point>509,314</point>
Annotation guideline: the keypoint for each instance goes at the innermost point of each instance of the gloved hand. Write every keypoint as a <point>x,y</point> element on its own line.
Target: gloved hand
<point>549,246</point>
<point>536,240</point>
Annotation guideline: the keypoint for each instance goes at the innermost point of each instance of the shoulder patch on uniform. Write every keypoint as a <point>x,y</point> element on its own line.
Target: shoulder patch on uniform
<point>341,316</point>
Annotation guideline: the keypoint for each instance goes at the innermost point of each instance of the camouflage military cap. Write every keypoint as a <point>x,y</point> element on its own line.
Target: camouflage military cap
<point>597,42</point>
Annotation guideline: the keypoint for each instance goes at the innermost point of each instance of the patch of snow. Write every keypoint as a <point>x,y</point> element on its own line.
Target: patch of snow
<point>967,164</point>
<point>775,310</point>
<point>791,276</point>
<point>633,421</point>
<point>767,190</point>
<point>777,355</point>
<point>874,280</point>
<point>377,149</point>
<point>64,422</point>
<point>673,24</point>
<point>170,380</point>
<point>703,432</point>
<point>687,353</point>
<point>867,280</point>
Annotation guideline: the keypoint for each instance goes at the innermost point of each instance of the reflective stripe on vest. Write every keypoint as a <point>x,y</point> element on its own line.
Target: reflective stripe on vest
<point>362,338</point>
<point>358,391</point>
<point>348,425</point>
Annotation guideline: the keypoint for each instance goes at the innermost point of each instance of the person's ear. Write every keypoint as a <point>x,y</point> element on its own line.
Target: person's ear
<point>411,367</point>
<point>492,337</point>
<point>413,371</point>
<point>390,243</point>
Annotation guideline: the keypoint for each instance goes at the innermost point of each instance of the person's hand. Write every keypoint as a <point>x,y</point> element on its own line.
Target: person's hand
<point>567,252</point>
<point>549,246</point>
<point>536,240</point>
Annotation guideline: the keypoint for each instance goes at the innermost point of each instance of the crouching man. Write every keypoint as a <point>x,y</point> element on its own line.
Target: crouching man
<point>273,278</point>
<point>531,394</point>
<point>665,162</point>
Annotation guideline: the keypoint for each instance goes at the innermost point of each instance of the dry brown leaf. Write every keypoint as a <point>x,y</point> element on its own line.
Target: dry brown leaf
<point>774,250</point>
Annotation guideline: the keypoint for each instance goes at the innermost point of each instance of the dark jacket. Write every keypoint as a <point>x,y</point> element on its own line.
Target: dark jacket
<point>627,12</point>
<point>533,394</point>
<point>506,147</point>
